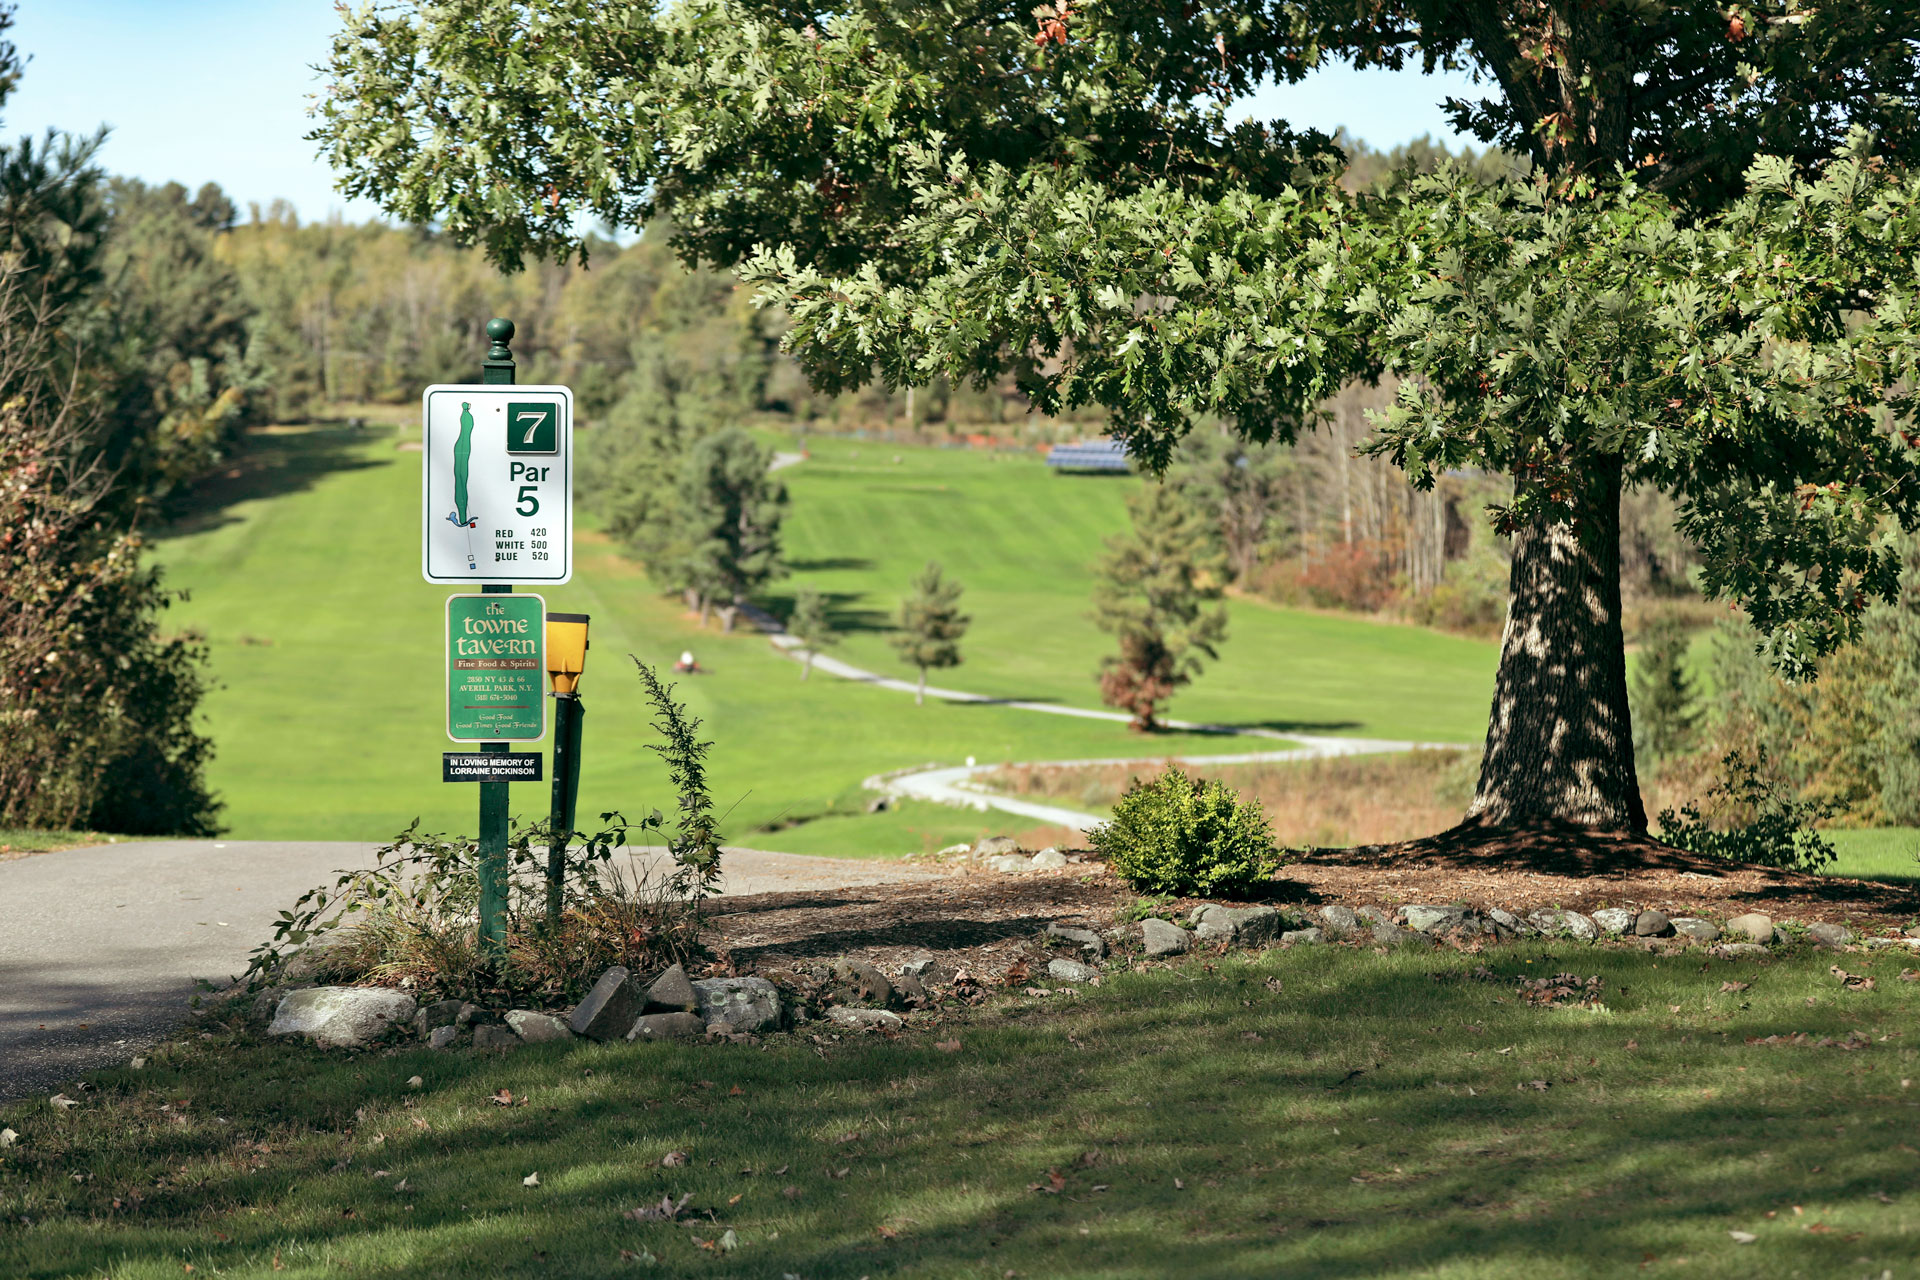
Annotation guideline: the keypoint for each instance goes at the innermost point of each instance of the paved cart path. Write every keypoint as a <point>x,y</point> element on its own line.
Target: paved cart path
<point>100,947</point>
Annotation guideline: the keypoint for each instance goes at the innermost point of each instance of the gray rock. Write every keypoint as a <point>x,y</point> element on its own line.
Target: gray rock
<point>1652,924</point>
<point>1301,937</point>
<point>1507,924</point>
<point>441,1037</point>
<point>1248,926</point>
<point>537,1028</point>
<point>1047,860</point>
<point>1213,931</point>
<point>672,992</point>
<point>610,1008</point>
<point>1695,928</point>
<point>1070,971</point>
<point>1569,924</point>
<point>744,1004</point>
<point>1086,939</point>
<point>1339,920</point>
<point>1911,931</point>
<point>1753,926</point>
<point>441,1013</point>
<point>1428,919</point>
<point>1738,949</point>
<point>860,983</point>
<point>919,967</point>
<point>668,1026</point>
<point>1614,920</point>
<point>1008,863</point>
<point>265,1004</point>
<point>1163,937</point>
<point>862,1019</point>
<point>1392,935</point>
<point>955,851</point>
<point>910,989</point>
<point>495,1037</point>
<point>1829,935</point>
<point>1781,938</point>
<point>1376,916</point>
<point>995,846</point>
<point>340,1017</point>
<point>1876,944</point>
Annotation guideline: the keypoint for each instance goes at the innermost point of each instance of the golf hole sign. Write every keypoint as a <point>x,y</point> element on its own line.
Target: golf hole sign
<point>496,668</point>
<point>497,484</point>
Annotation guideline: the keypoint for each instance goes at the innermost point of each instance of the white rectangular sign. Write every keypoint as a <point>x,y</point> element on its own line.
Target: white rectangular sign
<point>497,484</point>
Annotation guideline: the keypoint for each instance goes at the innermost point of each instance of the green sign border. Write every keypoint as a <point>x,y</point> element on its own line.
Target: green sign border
<point>539,672</point>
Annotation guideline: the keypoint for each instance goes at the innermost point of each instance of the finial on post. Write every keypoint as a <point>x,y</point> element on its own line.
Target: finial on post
<point>498,367</point>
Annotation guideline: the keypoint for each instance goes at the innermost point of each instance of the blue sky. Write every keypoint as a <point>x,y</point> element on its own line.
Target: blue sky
<point>217,91</point>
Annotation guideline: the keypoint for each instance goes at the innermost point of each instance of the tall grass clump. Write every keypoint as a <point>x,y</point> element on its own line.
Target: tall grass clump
<point>412,920</point>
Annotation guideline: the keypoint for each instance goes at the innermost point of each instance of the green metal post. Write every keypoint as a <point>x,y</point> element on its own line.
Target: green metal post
<point>568,713</point>
<point>497,370</point>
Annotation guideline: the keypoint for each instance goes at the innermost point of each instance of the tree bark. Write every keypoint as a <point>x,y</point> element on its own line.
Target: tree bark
<point>1559,740</point>
<point>920,694</point>
<point>806,666</point>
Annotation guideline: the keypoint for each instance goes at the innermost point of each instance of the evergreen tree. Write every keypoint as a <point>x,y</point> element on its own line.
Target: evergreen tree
<point>1239,487</point>
<point>1725,199</point>
<point>811,627</point>
<point>1151,595</point>
<point>931,626</point>
<point>732,505</point>
<point>1664,712</point>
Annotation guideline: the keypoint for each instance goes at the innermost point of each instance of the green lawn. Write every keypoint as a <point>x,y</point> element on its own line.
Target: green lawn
<point>1877,853</point>
<point>1322,1112</point>
<point>326,717</point>
<point>1024,541</point>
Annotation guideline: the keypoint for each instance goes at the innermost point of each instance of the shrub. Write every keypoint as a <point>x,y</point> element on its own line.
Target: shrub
<point>1175,834</point>
<point>1752,817</point>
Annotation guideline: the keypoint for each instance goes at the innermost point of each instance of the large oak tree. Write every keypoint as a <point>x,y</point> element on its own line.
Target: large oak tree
<point>1703,283</point>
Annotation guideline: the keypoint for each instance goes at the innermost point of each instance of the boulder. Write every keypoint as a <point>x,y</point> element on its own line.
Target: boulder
<point>610,1008</point>
<point>1830,935</point>
<point>1047,860</point>
<point>860,983</point>
<point>1301,937</point>
<point>1695,928</point>
<point>995,846</point>
<point>1571,924</point>
<point>1508,925</point>
<point>1615,920</point>
<point>955,851</point>
<point>744,1004</point>
<point>1248,926</point>
<point>910,989</point>
<point>1428,919</point>
<point>441,1013</point>
<point>442,1037</point>
<point>1375,916</point>
<point>1086,939</point>
<point>672,992</point>
<point>920,966</point>
<point>537,1028</point>
<point>1163,937</point>
<point>1911,931</point>
<point>1652,924</point>
<point>1392,935</point>
<point>340,1017</point>
<point>1009,863</point>
<point>668,1026</point>
<point>1070,971</point>
<point>494,1036</point>
<point>1754,927</point>
<point>1338,920</point>
<point>1736,950</point>
<point>862,1019</point>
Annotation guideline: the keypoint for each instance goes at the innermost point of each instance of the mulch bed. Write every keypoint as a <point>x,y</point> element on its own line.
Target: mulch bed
<point>989,923</point>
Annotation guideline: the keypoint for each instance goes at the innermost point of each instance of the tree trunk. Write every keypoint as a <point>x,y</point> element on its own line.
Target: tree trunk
<point>1559,740</point>
<point>920,694</point>
<point>806,666</point>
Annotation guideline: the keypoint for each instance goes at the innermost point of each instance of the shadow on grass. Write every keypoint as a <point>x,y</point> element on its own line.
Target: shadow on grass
<point>1326,1113</point>
<point>270,464</point>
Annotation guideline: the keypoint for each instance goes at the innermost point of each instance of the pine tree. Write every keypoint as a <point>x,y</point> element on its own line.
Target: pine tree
<point>732,506</point>
<point>1151,594</point>
<point>1664,711</point>
<point>931,625</point>
<point>811,627</point>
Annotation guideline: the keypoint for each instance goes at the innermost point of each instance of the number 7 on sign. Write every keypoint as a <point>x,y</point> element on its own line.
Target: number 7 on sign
<point>534,428</point>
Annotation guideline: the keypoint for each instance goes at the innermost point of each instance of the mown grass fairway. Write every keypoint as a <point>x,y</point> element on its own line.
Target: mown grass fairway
<point>327,716</point>
<point>1321,1112</point>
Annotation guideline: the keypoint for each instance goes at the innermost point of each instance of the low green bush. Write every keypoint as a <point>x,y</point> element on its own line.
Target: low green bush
<point>1752,817</point>
<point>1180,835</point>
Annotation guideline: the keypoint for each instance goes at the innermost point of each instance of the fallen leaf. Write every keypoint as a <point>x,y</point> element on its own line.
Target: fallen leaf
<point>1053,1186</point>
<point>947,1046</point>
<point>277,1264</point>
<point>666,1211</point>
<point>837,1174</point>
<point>734,1200</point>
<point>1673,1008</point>
<point>1734,986</point>
<point>8,1137</point>
<point>1910,975</point>
<point>729,1241</point>
<point>1743,1237</point>
<point>1819,1228</point>
<point>504,1098</point>
<point>531,1180</point>
<point>400,1185</point>
<point>735,1092</point>
<point>1179,1185</point>
<point>63,1102</point>
<point>414,1082</point>
<point>1540,1085</point>
<point>1851,981</point>
<point>673,1159</point>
